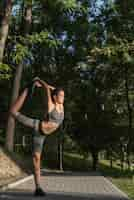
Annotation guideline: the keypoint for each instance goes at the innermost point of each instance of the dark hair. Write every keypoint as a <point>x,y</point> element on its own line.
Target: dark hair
<point>56,91</point>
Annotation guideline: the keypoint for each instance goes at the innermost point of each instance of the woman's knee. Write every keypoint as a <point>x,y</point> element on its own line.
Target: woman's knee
<point>13,113</point>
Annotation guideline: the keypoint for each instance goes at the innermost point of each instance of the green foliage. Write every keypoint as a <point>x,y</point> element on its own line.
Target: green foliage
<point>42,37</point>
<point>63,5</point>
<point>67,5</point>
<point>19,53</point>
<point>122,52</point>
<point>5,71</point>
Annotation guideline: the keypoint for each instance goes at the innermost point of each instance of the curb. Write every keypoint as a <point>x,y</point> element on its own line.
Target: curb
<point>47,170</point>
<point>12,185</point>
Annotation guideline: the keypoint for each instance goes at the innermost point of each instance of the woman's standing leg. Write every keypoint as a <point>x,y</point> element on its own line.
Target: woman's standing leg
<point>38,141</point>
<point>36,164</point>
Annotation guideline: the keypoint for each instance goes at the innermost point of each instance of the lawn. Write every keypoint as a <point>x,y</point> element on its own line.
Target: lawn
<point>124,180</point>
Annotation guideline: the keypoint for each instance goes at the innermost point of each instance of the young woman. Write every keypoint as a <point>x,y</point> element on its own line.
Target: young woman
<point>42,128</point>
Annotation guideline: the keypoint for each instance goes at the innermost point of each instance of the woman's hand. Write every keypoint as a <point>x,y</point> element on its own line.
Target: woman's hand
<point>51,87</point>
<point>38,84</point>
<point>43,83</point>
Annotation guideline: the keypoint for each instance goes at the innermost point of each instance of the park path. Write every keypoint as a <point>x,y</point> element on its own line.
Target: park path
<point>67,186</point>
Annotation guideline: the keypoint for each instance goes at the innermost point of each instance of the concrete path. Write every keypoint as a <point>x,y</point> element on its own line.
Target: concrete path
<point>67,186</point>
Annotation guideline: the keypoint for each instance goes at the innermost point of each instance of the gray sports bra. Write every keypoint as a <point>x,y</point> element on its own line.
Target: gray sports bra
<point>55,116</point>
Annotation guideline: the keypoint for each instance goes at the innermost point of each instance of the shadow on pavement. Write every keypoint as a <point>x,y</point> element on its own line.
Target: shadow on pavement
<point>28,195</point>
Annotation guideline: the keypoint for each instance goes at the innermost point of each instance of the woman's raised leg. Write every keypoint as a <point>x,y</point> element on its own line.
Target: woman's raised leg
<point>16,106</point>
<point>14,110</point>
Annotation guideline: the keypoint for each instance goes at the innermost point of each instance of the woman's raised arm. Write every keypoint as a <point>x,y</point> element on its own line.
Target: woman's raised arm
<point>47,87</point>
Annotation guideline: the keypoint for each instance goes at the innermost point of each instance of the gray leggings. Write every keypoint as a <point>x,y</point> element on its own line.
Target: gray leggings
<point>38,138</point>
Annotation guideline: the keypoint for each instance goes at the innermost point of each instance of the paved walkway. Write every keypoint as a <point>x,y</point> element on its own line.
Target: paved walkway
<point>67,186</point>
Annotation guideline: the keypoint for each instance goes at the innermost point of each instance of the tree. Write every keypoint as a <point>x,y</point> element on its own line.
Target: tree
<point>5,8</point>
<point>16,85</point>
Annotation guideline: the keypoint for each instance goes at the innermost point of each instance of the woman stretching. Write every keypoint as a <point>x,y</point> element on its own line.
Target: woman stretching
<point>42,128</point>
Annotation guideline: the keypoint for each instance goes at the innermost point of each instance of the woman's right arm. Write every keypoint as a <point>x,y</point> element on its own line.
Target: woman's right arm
<point>47,87</point>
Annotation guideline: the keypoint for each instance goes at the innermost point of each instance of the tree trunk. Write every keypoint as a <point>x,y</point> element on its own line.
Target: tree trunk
<point>129,117</point>
<point>16,85</point>
<point>111,162</point>
<point>60,150</point>
<point>95,160</point>
<point>11,121</point>
<point>28,18</point>
<point>122,157</point>
<point>5,26</point>
<point>60,155</point>
<point>111,157</point>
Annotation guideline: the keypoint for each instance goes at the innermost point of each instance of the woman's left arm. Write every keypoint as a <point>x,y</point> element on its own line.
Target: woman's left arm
<point>51,87</point>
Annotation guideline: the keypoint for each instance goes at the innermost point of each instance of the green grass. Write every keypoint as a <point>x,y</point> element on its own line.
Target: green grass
<point>115,171</point>
<point>76,162</point>
<point>124,180</point>
<point>71,161</point>
<point>126,185</point>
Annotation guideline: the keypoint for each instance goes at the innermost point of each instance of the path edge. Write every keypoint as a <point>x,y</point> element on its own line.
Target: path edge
<point>15,183</point>
<point>116,188</point>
